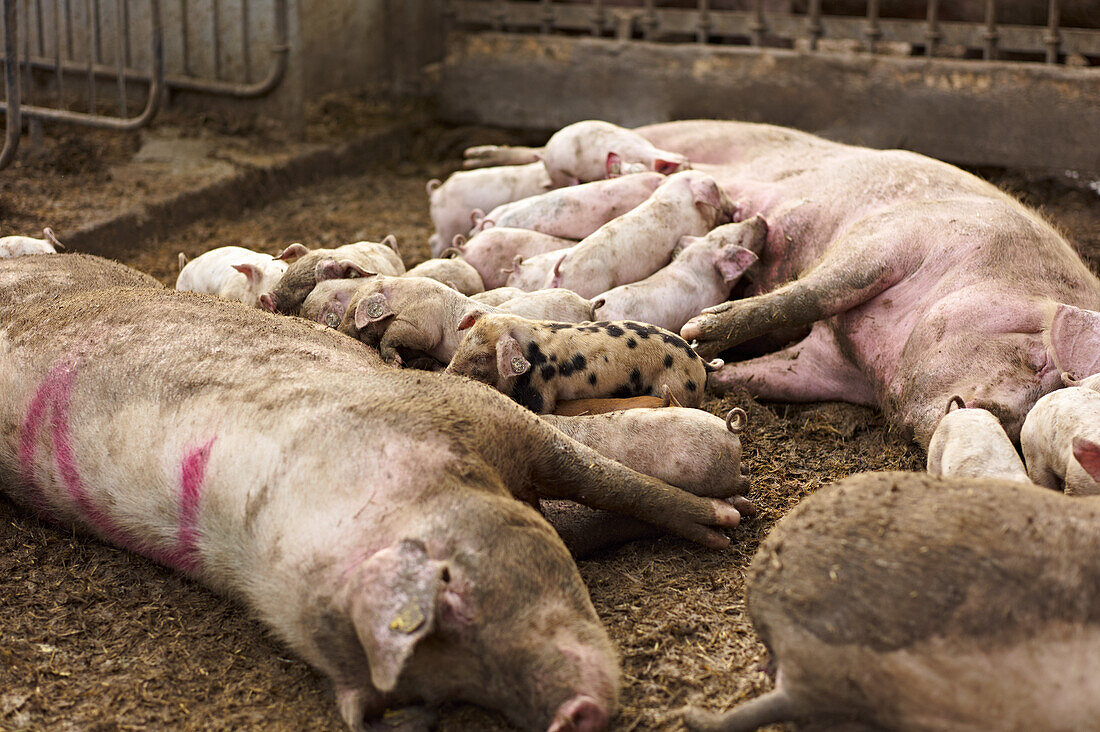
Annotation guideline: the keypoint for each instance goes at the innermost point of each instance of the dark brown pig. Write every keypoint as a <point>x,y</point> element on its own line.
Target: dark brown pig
<point>308,267</point>
<point>185,428</point>
<point>539,362</point>
<point>900,601</point>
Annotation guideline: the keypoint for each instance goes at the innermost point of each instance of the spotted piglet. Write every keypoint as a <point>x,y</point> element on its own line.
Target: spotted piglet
<point>538,362</point>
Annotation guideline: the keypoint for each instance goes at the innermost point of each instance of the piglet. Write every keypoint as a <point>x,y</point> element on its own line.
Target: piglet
<point>451,271</point>
<point>640,242</point>
<point>700,275</point>
<point>493,252</point>
<point>22,246</point>
<point>308,267</point>
<point>408,315</point>
<point>698,452</point>
<point>563,306</point>
<point>452,202</point>
<point>899,601</point>
<point>575,212</point>
<point>970,443</point>
<point>1061,441</point>
<point>538,272</point>
<point>537,363</point>
<point>234,273</point>
<point>328,301</point>
<point>594,150</point>
<point>497,295</point>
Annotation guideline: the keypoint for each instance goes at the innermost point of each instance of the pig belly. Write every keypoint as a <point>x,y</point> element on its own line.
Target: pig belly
<point>1047,678</point>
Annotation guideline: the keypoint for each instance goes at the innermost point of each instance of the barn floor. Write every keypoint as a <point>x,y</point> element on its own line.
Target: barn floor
<point>98,639</point>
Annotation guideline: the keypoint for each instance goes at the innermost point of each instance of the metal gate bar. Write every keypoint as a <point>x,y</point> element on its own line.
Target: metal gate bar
<point>761,27</point>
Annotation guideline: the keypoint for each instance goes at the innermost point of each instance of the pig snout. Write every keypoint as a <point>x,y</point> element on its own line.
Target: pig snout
<point>581,713</point>
<point>269,303</point>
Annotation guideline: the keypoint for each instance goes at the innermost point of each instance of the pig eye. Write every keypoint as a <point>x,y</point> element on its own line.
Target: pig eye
<point>332,320</point>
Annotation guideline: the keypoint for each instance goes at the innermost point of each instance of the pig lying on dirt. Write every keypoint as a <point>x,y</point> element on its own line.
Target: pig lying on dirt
<point>234,273</point>
<point>452,202</point>
<point>920,280</point>
<point>699,276</point>
<point>22,246</point>
<point>497,295</point>
<point>594,150</point>
<point>640,242</point>
<point>307,268</point>
<point>451,271</point>
<point>970,443</point>
<point>537,363</point>
<point>577,211</point>
<point>1061,441</point>
<point>493,252</point>
<point>407,573</point>
<point>562,306</point>
<point>698,451</point>
<point>900,601</point>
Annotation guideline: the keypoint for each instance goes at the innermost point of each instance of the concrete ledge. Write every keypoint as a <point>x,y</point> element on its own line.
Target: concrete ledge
<point>246,181</point>
<point>977,113</point>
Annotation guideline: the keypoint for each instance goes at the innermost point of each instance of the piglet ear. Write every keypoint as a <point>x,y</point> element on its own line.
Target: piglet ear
<point>706,193</point>
<point>614,165</point>
<point>292,252</point>
<point>1075,339</point>
<point>391,242</point>
<point>371,310</point>
<point>1087,453</point>
<point>251,271</point>
<point>733,261</point>
<point>331,269</point>
<point>510,360</point>
<point>393,604</point>
<point>469,319</point>
<point>668,167</point>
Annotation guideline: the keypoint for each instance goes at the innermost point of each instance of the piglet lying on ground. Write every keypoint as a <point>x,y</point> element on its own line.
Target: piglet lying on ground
<point>493,252</point>
<point>1061,441</point>
<point>537,363</point>
<point>594,150</point>
<point>640,242</point>
<point>699,276</point>
<point>562,306</point>
<point>451,271</point>
<point>538,272</point>
<point>234,273</point>
<point>308,267</point>
<point>407,573</point>
<point>497,295</point>
<point>970,443</point>
<point>899,601</point>
<point>452,202</point>
<point>22,246</point>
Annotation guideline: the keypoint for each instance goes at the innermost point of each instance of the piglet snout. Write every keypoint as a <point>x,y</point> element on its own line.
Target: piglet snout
<point>268,302</point>
<point>581,713</point>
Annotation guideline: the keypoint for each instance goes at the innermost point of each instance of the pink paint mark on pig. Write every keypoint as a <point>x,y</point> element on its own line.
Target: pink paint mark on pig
<point>192,475</point>
<point>44,398</point>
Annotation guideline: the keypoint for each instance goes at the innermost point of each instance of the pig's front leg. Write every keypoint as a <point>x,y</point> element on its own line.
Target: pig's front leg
<point>814,369</point>
<point>853,271</point>
<point>405,334</point>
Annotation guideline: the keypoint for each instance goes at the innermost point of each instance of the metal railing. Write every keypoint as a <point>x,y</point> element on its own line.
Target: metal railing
<point>49,42</point>
<point>785,23</point>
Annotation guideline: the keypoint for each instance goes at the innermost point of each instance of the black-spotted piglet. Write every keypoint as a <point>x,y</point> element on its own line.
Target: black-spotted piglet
<point>538,362</point>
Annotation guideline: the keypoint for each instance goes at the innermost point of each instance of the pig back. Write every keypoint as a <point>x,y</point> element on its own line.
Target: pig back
<point>30,281</point>
<point>889,560</point>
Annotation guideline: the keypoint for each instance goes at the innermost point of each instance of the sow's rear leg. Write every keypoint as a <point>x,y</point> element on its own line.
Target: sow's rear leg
<point>856,268</point>
<point>814,369</point>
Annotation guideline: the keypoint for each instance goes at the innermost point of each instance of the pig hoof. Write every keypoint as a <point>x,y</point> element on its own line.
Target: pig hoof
<point>743,505</point>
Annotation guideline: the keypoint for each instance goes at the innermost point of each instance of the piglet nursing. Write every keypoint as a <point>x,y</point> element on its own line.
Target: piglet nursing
<point>594,150</point>
<point>1061,441</point>
<point>494,252</point>
<point>970,443</point>
<point>451,271</point>
<point>234,273</point>
<point>898,601</point>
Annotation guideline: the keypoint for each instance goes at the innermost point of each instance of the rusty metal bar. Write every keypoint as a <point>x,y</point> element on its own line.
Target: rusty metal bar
<point>599,18</point>
<point>216,40</point>
<point>185,39</point>
<point>119,61</point>
<point>813,24</point>
<point>246,41</point>
<point>92,27</point>
<point>68,30</point>
<point>546,24</point>
<point>125,30</point>
<point>1053,38</point>
<point>990,34</point>
<point>499,15</point>
<point>27,49</point>
<point>932,35</point>
<point>649,21</point>
<point>13,123</point>
<point>873,32</point>
<point>57,52</point>
<point>702,22</point>
<point>759,27</point>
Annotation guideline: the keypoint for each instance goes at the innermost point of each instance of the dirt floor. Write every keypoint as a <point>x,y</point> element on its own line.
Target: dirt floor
<point>95,638</point>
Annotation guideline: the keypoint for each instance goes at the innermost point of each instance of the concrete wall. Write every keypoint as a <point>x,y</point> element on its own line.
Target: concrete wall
<point>996,113</point>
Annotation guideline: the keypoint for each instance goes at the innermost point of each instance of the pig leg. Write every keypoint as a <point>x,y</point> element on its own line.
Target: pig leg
<point>774,706</point>
<point>404,334</point>
<point>853,271</point>
<point>484,156</point>
<point>814,369</point>
<point>586,531</point>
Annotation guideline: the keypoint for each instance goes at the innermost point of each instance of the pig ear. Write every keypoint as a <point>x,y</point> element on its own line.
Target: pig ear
<point>510,360</point>
<point>433,184</point>
<point>251,271</point>
<point>668,167</point>
<point>391,242</point>
<point>52,238</point>
<point>1075,339</point>
<point>393,606</point>
<point>458,242</point>
<point>1087,453</point>
<point>614,165</point>
<point>371,310</point>
<point>182,260</point>
<point>292,252</point>
<point>706,193</point>
<point>733,261</point>
<point>331,269</point>
<point>469,319</point>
